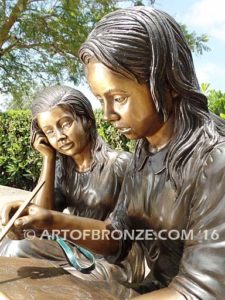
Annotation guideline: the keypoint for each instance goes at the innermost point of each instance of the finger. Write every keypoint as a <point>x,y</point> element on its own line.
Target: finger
<point>43,139</point>
<point>24,221</point>
<point>39,134</point>
<point>8,209</point>
<point>40,140</point>
<point>30,218</point>
<point>33,209</point>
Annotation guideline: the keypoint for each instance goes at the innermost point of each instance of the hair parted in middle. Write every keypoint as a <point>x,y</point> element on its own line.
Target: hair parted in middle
<point>69,98</point>
<point>80,107</point>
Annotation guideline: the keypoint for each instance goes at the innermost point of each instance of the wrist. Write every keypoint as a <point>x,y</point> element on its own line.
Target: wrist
<point>56,220</point>
<point>48,158</point>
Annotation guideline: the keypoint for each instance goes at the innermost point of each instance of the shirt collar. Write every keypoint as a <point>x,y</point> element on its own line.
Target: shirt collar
<point>157,159</point>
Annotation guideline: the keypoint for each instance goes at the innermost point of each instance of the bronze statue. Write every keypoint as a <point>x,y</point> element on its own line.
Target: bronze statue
<point>82,174</point>
<point>140,67</point>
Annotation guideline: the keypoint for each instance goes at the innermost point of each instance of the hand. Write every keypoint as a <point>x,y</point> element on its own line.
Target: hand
<point>42,145</point>
<point>33,217</point>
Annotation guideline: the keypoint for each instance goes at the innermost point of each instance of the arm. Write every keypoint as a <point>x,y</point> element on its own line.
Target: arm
<point>75,229</point>
<point>121,163</point>
<point>82,235</point>
<point>201,273</point>
<point>45,198</point>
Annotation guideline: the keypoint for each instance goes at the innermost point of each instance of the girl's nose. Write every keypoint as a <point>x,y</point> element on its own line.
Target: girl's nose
<point>60,135</point>
<point>109,114</point>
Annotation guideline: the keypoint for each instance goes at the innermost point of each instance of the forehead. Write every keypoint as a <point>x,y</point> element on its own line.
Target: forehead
<point>53,115</point>
<point>101,78</point>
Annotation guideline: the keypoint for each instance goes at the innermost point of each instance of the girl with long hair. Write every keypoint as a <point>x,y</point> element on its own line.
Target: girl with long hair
<point>82,175</point>
<point>140,67</point>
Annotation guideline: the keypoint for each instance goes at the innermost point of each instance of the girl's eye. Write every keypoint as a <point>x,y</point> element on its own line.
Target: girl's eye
<point>121,99</point>
<point>66,124</point>
<point>49,132</point>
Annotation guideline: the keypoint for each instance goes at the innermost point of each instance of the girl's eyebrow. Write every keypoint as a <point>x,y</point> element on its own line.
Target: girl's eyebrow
<point>58,121</point>
<point>64,117</point>
<point>112,91</point>
<point>47,126</point>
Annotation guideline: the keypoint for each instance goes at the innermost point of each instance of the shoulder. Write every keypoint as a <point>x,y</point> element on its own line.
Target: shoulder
<point>119,162</point>
<point>209,186</point>
<point>208,200</point>
<point>119,157</point>
<point>206,161</point>
<point>214,162</point>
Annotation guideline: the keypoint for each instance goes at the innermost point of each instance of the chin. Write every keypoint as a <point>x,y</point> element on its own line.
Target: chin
<point>67,153</point>
<point>131,136</point>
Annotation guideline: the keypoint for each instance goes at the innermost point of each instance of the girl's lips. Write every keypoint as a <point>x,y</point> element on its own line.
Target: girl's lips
<point>66,146</point>
<point>124,130</point>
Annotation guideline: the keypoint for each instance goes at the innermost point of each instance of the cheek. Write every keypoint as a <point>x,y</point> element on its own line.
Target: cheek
<point>143,112</point>
<point>84,136</point>
<point>76,134</point>
<point>123,110</point>
<point>52,142</point>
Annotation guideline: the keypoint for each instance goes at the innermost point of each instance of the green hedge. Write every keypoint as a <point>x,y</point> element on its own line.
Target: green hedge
<point>19,164</point>
<point>111,135</point>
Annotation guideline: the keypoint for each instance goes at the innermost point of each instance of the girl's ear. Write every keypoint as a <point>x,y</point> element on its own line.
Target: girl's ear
<point>173,94</point>
<point>89,124</point>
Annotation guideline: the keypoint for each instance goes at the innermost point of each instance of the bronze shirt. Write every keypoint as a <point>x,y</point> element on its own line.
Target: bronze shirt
<point>92,193</point>
<point>187,249</point>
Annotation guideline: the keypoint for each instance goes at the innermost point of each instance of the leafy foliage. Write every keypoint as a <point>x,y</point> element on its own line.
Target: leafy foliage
<point>216,100</point>
<point>197,43</point>
<point>20,165</point>
<point>39,42</point>
<point>111,135</point>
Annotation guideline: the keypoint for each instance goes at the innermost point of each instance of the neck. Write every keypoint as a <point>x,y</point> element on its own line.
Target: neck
<point>83,160</point>
<point>162,137</point>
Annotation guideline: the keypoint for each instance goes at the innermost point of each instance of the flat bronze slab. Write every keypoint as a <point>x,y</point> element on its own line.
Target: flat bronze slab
<point>34,279</point>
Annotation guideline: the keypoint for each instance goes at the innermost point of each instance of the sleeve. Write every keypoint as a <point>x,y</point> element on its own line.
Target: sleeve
<point>130,254</point>
<point>119,221</point>
<point>202,268</point>
<point>60,198</point>
<point>120,165</point>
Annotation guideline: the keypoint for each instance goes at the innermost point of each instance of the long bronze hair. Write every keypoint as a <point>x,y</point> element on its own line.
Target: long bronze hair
<point>147,45</point>
<point>80,107</point>
<point>65,96</point>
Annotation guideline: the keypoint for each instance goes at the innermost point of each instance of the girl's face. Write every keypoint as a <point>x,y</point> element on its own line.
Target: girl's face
<point>64,133</point>
<point>127,104</point>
